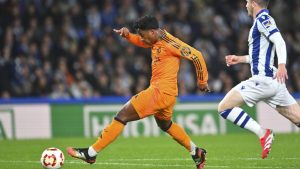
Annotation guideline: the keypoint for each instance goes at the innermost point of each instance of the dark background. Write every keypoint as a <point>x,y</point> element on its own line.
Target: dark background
<point>66,48</point>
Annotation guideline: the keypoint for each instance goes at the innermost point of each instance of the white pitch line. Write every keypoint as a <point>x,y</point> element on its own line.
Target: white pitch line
<point>164,165</point>
<point>150,159</point>
<point>254,159</point>
<point>119,164</point>
<point>132,164</point>
<point>13,161</point>
<point>189,159</point>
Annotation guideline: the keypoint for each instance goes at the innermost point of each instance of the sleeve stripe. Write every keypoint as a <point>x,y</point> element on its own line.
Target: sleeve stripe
<point>198,67</point>
<point>172,42</point>
<point>163,33</point>
<point>200,71</point>
<point>273,31</point>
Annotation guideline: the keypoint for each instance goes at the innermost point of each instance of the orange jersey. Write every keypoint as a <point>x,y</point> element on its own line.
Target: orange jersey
<point>166,55</point>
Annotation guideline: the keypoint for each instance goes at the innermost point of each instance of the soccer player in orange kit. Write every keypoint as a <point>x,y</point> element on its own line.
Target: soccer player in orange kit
<point>160,97</point>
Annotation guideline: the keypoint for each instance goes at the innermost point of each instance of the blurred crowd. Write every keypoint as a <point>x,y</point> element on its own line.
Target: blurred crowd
<point>67,49</point>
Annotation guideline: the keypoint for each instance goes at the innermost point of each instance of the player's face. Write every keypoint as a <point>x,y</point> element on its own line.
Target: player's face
<point>148,36</point>
<point>249,7</point>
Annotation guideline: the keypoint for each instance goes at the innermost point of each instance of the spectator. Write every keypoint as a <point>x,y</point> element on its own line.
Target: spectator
<point>67,49</point>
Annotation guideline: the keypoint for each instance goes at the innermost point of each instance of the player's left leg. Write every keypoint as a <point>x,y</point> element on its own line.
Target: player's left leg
<point>163,120</point>
<point>179,135</point>
<point>285,104</point>
<point>291,112</point>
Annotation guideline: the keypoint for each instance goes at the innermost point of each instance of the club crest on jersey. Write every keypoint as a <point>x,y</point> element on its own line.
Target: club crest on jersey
<point>185,51</point>
<point>267,23</point>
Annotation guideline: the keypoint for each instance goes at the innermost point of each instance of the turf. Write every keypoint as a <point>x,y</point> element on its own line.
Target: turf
<point>234,151</point>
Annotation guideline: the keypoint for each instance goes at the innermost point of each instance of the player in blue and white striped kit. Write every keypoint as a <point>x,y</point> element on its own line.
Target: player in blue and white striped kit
<point>267,83</point>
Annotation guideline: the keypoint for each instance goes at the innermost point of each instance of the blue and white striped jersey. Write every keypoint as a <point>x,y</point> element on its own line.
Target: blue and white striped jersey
<point>261,49</point>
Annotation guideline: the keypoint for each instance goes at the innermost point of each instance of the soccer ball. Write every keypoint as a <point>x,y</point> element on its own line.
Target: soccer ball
<point>52,158</point>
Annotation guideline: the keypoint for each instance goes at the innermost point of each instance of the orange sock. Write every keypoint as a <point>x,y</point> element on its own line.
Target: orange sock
<point>180,136</point>
<point>108,135</point>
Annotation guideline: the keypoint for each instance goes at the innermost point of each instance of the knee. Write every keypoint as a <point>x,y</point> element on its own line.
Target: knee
<point>117,118</point>
<point>296,120</point>
<point>127,114</point>
<point>164,126</point>
<point>224,110</point>
<point>121,117</point>
<point>221,107</point>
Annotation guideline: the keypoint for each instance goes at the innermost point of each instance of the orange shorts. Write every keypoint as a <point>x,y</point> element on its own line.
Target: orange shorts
<point>152,101</point>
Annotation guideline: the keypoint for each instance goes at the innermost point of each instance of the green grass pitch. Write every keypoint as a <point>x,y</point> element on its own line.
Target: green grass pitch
<point>233,151</point>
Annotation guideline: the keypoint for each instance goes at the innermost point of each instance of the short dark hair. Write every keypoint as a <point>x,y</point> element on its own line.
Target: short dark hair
<point>262,3</point>
<point>146,23</point>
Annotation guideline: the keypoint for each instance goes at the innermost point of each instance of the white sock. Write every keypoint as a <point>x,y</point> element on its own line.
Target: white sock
<point>193,148</point>
<point>253,126</point>
<point>239,117</point>
<point>92,152</point>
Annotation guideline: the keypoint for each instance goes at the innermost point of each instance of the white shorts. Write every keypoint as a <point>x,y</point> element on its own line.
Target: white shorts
<point>267,89</point>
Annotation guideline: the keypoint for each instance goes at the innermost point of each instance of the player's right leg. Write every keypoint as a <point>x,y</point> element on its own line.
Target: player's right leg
<point>229,109</point>
<point>108,135</point>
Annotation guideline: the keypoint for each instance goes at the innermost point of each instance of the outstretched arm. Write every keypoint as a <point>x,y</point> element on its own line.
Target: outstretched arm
<point>133,38</point>
<point>233,59</point>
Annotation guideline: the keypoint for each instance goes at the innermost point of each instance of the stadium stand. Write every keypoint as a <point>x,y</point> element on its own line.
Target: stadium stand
<point>67,49</point>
